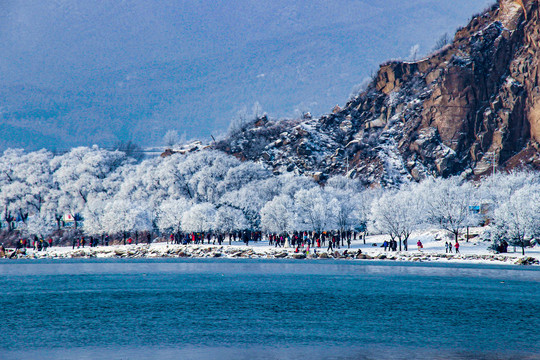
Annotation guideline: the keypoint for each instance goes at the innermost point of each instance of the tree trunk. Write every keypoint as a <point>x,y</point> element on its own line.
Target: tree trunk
<point>467,234</point>
<point>522,247</point>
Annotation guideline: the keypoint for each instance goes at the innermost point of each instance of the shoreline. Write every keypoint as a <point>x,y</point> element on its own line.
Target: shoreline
<point>258,251</point>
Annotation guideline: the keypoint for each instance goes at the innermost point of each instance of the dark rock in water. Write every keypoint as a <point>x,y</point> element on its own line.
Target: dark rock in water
<point>323,255</point>
<point>281,255</point>
<point>216,255</point>
<point>361,256</point>
<point>381,256</point>
<point>299,256</point>
<point>182,254</point>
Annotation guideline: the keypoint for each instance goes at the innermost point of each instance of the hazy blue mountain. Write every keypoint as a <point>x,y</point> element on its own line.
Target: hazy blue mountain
<point>79,73</point>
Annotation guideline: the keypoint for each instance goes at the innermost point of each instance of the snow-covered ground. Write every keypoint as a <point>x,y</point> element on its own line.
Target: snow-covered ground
<point>473,251</point>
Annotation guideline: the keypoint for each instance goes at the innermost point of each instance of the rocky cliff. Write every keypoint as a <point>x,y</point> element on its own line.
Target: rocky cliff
<point>471,105</point>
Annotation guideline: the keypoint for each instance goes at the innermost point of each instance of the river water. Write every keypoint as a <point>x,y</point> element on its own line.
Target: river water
<point>267,309</point>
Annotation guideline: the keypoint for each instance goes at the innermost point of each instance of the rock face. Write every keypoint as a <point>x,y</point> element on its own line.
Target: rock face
<point>474,102</point>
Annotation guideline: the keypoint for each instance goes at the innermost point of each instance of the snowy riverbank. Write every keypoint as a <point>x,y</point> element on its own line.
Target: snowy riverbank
<point>470,252</point>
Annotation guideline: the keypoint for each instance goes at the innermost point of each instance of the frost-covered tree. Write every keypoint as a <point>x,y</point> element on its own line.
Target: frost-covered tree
<point>340,182</point>
<point>252,197</point>
<point>448,203</point>
<point>171,138</point>
<point>518,218</point>
<point>25,180</point>
<point>93,213</point>
<point>398,214</point>
<point>170,212</point>
<point>498,188</point>
<point>125,217</point>
<point>239,176</point>
<point>229,219</point>
<point>40,225</point>
<point>313,209</point>
<point>82,172</point>
<point>344,207</point>
<point>199,218</point>
<point>35,182</point>
<point>277,216</point>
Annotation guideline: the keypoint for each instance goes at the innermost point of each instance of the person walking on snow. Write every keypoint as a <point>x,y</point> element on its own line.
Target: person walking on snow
<point>420,246</point>
<point>457,247</point>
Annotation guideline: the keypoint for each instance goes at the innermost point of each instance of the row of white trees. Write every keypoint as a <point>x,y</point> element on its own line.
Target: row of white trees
<point>210,191</point>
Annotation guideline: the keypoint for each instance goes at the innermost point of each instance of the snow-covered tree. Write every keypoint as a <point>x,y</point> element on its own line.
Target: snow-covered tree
<point>518,218</point>
<point>93,214</point>
<point>171,138</point>
<point>499,187</point>
<point>125,217</point>
<point>448,203</point>
<point>340,182</point>
<point>277,215</point>
<point>199,218</point>
<point>82,172</point>
<point>313,209</point>
<point>344,207</point>
<point>170,212</point>
<point>229,219</point>
<point>252,197</point>
<point>40,225</point>
<point>25,180</point>
<point>398,214</point>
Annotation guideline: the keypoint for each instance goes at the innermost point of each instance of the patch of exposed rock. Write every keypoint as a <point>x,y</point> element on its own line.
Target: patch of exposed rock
<point>473,102</point>
<point>235,252</point>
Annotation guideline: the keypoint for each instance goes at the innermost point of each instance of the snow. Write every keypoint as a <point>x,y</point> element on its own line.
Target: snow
<point>473,252</point>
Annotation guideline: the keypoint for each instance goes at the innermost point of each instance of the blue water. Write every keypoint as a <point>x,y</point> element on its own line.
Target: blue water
<point>245,309</point>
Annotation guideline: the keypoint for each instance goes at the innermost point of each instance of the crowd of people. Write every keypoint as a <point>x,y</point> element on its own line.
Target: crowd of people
<point>298,240</point>
<point>38,244</point>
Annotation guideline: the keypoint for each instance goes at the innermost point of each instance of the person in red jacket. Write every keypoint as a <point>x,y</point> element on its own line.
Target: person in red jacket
<point>130,240</point>
<point>457,247</point>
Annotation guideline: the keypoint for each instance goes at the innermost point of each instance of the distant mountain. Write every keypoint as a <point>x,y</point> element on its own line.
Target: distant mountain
<point>79,73</point>
<point>469,107</point>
